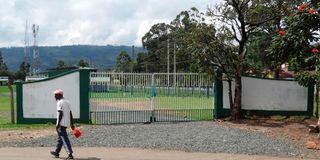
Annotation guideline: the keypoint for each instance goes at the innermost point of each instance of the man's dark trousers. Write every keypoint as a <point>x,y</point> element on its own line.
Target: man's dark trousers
<point>63,139</point>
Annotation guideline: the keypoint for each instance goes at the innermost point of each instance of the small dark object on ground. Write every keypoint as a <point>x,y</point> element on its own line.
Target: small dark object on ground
<point>313,129</point>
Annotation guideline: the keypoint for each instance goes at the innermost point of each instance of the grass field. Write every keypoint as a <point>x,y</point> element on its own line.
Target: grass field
<point>160,101</point>
<point>5,105</point>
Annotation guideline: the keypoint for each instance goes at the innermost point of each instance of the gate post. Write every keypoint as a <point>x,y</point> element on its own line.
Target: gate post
<point>218,95</point>
<point>84,95</point>
<point>153,94</point>
<point>19,101</point>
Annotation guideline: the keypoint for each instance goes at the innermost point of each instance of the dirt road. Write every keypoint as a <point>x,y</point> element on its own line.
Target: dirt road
<point>125,154</point>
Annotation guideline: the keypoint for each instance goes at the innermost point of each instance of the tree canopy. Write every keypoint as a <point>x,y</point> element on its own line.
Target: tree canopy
<point>123,62</point>
<point>83,63</point>
<point>218,39</point>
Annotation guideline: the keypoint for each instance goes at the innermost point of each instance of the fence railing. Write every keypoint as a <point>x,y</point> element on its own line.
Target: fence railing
<point>160,96</point>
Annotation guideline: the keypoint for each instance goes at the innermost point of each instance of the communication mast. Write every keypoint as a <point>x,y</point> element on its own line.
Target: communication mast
<point>36,54</point>
<point>26,47</point>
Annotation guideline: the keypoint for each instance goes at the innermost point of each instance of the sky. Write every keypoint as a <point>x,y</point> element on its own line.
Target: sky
<point>92,22</point>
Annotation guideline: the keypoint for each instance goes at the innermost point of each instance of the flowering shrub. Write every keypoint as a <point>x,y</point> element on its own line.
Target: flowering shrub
<point>315,50</point>
<point>282,32</point>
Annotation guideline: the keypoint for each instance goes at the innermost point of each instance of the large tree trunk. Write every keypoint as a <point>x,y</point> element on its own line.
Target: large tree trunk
<point>236,113</point>
<point>230,94</point>
<point>317,101</point>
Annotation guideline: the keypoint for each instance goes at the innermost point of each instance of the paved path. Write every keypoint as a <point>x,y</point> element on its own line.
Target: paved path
<point>125,154</point>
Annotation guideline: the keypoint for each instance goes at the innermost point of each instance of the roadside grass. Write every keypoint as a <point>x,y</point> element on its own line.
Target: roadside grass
<point>4,105</point>
<point>5,89</point>
<point>161,101</point>
<point>9,126</point>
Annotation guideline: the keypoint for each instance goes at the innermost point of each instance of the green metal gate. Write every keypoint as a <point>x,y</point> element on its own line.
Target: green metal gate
<point>117,98</point>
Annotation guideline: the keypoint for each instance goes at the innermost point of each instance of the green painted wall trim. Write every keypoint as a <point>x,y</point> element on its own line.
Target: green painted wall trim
<point>274,79</point>
<point>310,100</point>
<point>272,113</point>
<point>225,113</point>
<point>43,121</point>
<point>54,77</point>
<point>276,113</point>
<point>84,95</point>
<point>218,96</point>
<point>19,102</point>
<point>58,72</point>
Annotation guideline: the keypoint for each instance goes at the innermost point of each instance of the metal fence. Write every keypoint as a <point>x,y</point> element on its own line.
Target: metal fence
<point>145,97</point>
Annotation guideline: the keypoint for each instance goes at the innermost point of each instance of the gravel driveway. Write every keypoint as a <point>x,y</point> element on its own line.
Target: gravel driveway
<point>189,136</point>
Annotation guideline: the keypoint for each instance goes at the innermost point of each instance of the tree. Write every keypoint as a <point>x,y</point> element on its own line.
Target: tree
<point>142,63</point>
<point>163,37</point>
<point>3,66</point>
<point>108,69</point>
<point>226,47</point>
<point>297,43</point>
<point>123,62</point>
<point>83,63</point>
<point>24,69</point>
<point>260,40</point>
<point>61,64</point>
<point>258,61</point>
<point>155,41</point>
<point>298,36</point>
<point>180,27</point>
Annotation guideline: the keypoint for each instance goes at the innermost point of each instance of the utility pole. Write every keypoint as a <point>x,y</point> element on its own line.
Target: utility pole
<point>174,57</point>
<point>132,61</point>
<point>168,64</point>
<point>174,66</point>
<point>133,52</point>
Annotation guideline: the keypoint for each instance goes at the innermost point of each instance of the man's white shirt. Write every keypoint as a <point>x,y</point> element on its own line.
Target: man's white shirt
<point>64,106</point>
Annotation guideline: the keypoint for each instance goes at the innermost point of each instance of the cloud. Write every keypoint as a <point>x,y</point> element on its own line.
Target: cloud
<point>97,22</point>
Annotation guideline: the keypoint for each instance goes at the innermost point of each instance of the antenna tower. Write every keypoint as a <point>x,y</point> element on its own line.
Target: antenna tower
<point>26,47</point>
<point>36,54</point>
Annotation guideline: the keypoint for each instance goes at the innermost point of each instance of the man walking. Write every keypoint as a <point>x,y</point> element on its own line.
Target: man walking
<point>64,120</point>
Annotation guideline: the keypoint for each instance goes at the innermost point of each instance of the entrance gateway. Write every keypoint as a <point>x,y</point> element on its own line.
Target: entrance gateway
<point>115,98</point>
<point>118,98</point>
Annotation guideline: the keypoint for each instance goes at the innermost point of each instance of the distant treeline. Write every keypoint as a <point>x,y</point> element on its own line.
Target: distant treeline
<point>101,57</point>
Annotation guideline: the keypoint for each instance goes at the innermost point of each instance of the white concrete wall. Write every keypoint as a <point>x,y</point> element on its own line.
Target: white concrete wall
<point>39,101</point>
<point>269,95</point>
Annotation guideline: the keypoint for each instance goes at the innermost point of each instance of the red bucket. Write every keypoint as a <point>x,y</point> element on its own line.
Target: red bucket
<point>76,132</point>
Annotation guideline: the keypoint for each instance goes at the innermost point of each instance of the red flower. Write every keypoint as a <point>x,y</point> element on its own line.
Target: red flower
<point>291,14</point>
<point>312,11</point>
<point>315,50</point>
<point>301,7</point>
<point>281,32</point>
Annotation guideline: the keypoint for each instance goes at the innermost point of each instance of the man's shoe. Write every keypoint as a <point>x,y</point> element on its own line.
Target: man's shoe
<point>55,154</point>
<point>70,156</point>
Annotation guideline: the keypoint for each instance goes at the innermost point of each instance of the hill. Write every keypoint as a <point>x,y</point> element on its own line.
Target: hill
<point>101,57</point>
